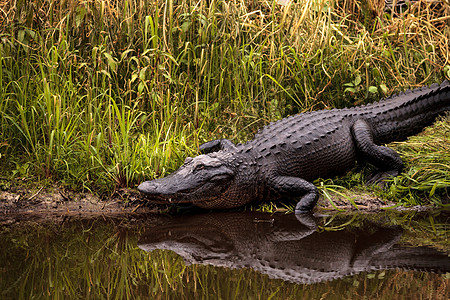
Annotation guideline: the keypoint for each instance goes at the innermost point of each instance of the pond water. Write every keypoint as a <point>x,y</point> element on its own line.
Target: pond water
<point>234,255</point>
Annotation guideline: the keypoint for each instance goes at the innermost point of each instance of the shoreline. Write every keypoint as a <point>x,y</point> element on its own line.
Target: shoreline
<point>55,203</point>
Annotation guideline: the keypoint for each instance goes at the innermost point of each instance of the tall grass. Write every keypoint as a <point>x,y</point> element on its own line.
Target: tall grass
<point>104,94</point>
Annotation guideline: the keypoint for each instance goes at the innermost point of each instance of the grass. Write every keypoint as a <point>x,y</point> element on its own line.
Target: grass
<point>427,158</point>
<point>102,95</point>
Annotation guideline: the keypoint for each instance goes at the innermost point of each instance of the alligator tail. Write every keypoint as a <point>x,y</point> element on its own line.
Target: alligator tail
<point>407,113</point>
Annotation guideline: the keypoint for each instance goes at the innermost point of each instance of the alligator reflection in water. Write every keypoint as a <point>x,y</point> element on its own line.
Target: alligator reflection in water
<point>288,247</point>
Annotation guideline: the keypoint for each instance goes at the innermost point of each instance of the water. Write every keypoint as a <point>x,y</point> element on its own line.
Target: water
<point>237,255</point>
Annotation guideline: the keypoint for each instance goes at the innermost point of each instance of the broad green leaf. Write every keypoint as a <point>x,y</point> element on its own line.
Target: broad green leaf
<point>185,26</point>
<point>111,61</point>
<point>373,89</point>
<point>141,87</point>
<point>357,80</point>
<point>349,89</point>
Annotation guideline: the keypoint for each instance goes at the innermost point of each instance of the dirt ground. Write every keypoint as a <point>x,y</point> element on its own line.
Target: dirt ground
<point>60,201</point>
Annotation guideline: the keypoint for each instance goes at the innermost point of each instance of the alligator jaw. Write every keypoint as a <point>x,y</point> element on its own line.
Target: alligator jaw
<point>154,194</point>
<point>176,198</point>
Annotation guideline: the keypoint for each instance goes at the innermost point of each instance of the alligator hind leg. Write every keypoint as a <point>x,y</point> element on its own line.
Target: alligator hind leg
<point>385,159</point>
<point>216,145</point>
<point>292,187</point>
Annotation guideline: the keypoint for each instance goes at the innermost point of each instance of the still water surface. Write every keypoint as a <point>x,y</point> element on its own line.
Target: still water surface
<point>237,255</point>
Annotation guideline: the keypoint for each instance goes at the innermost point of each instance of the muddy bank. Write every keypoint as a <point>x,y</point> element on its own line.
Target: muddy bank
<point>58,201</point>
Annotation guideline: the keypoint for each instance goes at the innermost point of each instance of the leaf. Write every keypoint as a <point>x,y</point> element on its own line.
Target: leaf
<point>81,12</point>
<point>202,19</point>
<point>383,88</point>
<point>357,80</point>
<point>142,73</point>
<point>185,26</point>
<point>124,53</point>
<point>349,89</point>
<point>141,87</point>
<point>433,190</point>
<point>31,33</point>
<point>111,61</point>
<point>94,52</point>
<point>106,73</point>
<point>447,70</point>
<point>21,36</point>
<point>373,89</point>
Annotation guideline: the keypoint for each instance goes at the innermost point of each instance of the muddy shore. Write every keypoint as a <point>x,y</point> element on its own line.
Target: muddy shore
<point>56,202</point>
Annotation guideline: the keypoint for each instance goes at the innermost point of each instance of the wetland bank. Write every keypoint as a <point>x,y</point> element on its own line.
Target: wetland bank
<point>98,96</point>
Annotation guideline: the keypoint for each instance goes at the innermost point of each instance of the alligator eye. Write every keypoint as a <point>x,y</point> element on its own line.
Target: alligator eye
<point>199,167</point>
<point>188,160</point>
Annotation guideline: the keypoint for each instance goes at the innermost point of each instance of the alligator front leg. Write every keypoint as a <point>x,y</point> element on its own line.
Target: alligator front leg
<point>293,187</point>
<point>385,159</point>
<point>216,145</point>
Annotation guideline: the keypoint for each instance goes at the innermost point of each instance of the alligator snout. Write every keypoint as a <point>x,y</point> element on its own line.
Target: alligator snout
<point>147,187</point>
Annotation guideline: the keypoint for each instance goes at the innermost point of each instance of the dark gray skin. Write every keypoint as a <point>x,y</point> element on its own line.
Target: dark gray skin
<point>285,156</point>
<point>288,247</point>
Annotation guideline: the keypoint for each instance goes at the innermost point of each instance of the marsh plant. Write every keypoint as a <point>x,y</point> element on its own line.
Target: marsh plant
<point>100,95</point>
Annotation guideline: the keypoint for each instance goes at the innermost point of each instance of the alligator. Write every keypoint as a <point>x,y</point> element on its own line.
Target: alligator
<point>289,247</point>
<point>285,156</point>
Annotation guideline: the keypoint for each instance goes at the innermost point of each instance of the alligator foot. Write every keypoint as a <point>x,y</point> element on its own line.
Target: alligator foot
<point>290,187</point>
<point>307,202</point>
<point>385,159</point>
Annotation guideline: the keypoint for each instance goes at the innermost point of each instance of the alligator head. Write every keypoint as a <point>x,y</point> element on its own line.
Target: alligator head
<point>206,181</point>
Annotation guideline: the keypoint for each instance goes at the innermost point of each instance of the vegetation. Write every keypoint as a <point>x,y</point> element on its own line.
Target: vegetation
<point>100,95</point>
